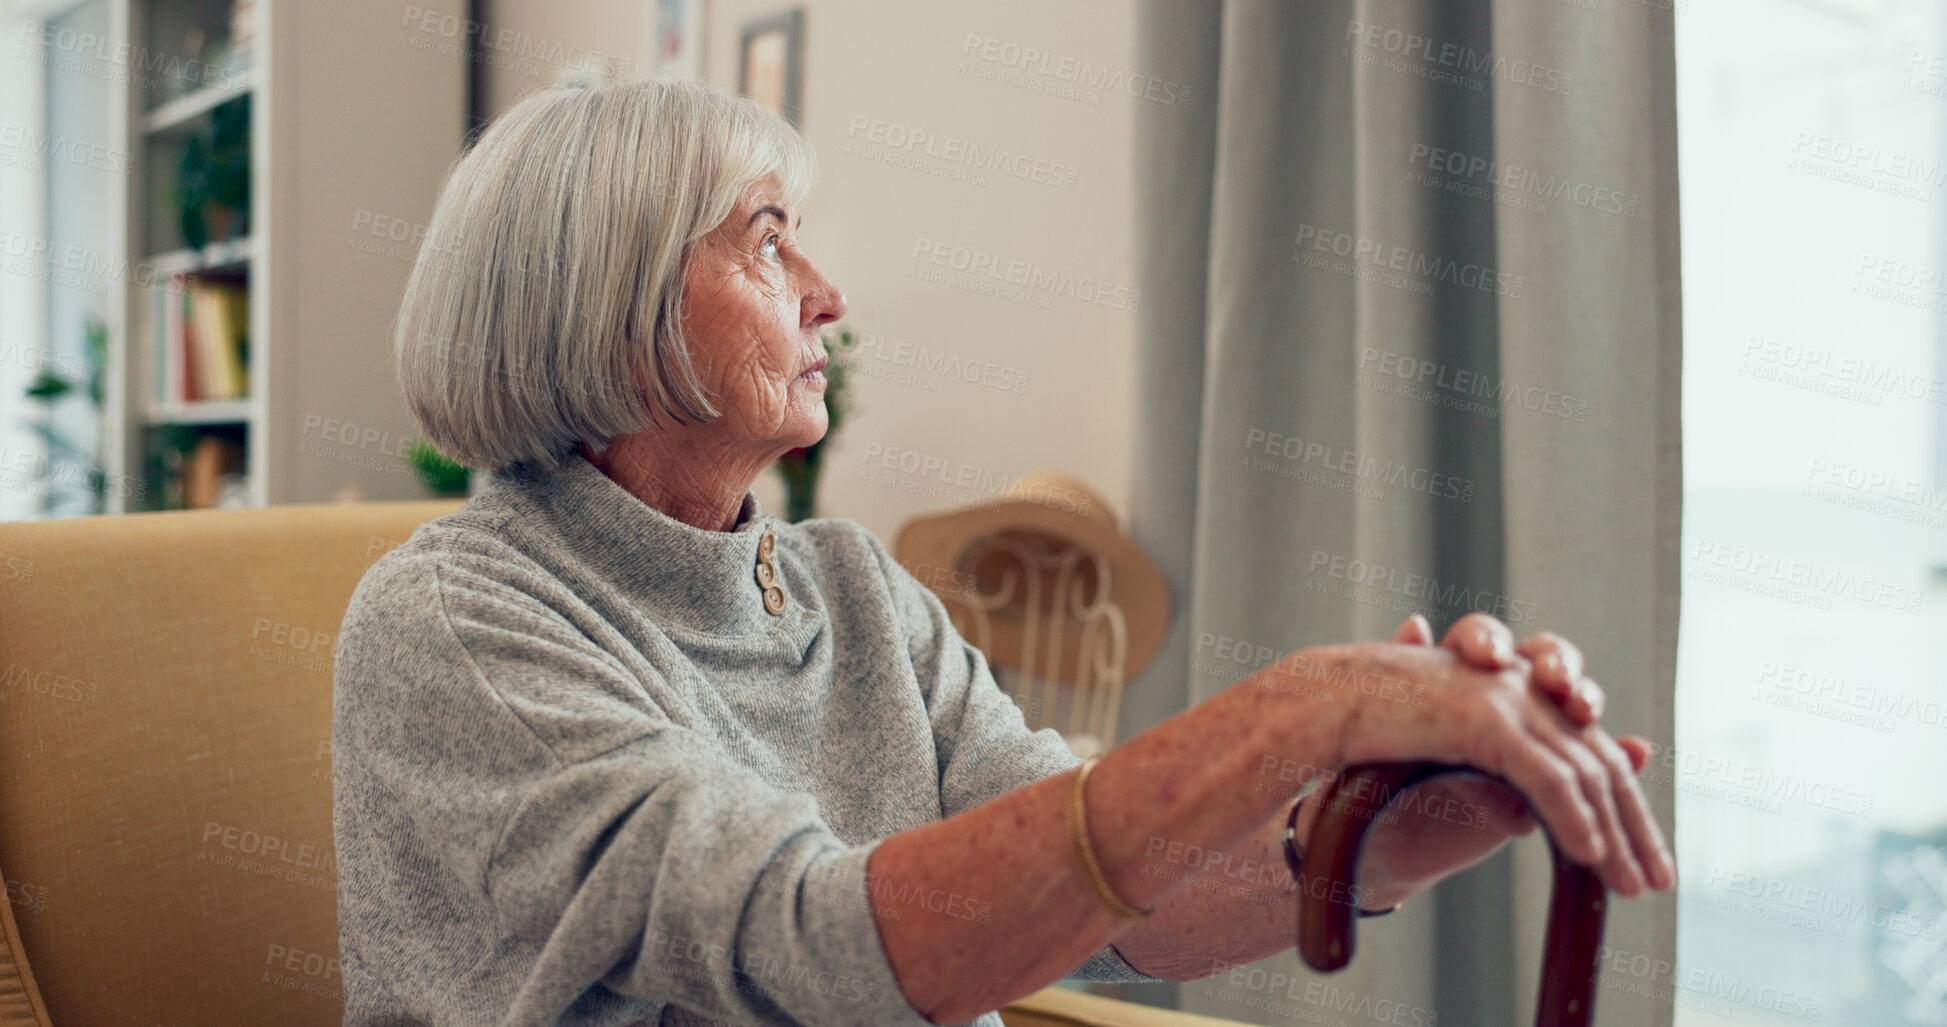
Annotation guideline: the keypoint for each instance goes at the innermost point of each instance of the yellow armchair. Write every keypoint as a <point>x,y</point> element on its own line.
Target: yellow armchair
<point>165,769</point>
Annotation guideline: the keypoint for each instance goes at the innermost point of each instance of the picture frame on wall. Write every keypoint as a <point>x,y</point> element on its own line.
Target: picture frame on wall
<point>770,62</point>
<point>674,47</point>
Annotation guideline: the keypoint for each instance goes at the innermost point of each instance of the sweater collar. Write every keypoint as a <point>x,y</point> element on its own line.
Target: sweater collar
<point>700,579</point>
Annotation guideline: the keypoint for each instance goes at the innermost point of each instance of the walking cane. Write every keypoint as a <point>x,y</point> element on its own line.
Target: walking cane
<point>1326,909</point>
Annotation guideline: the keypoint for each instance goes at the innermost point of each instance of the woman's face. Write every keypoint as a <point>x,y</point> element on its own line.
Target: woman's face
<point>753,306</point>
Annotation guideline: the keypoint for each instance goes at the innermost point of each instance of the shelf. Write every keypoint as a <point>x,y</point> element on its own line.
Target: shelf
<point>206,411</point>
<point>227,255</point>
<point>177,114</point>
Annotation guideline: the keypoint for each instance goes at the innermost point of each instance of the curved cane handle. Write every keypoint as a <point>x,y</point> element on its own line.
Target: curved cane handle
<point>1325,912</point>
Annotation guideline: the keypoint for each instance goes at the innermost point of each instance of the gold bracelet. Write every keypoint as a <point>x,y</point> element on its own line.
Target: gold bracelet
<point>1085,853</point>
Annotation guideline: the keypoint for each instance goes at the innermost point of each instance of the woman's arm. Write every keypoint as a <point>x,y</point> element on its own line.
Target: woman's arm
<point>1440,828</point>
<point>1210,777</point>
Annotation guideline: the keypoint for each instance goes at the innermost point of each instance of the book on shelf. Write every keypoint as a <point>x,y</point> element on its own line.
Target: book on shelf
<point>212,473</point>
<point>203,344</point>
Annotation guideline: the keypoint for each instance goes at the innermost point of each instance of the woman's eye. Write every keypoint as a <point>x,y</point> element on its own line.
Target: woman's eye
<point>769,249</point>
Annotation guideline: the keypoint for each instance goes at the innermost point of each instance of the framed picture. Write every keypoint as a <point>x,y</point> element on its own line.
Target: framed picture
<point>770,62</point>
<point>675,44</point>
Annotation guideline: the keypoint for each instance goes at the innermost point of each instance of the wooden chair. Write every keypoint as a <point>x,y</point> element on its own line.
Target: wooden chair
<point>1064,606</point>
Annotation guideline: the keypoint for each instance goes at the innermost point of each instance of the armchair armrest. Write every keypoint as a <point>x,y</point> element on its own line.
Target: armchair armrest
<point>1060,1007</point>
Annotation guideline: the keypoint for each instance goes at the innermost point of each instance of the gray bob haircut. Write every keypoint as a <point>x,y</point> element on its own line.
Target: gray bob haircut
<point>544,308</point>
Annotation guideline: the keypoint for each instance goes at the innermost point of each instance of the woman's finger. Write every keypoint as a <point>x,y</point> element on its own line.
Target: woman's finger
<point>1550,784</point>
<point>1558,673</point>
<point>1596,699</point>
<point>1599,780</point>
<point>1557,661</point>
<point>1638,748</point>
<point>1481,640</point>
<point>1652,852</point>
<point>1414,630</point>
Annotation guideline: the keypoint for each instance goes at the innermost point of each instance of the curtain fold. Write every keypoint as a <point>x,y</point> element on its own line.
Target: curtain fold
<point>1412,343</point>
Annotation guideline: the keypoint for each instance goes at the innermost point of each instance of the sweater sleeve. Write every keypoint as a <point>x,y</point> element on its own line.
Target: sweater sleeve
<point>985,747</point>
<point>519,775</point>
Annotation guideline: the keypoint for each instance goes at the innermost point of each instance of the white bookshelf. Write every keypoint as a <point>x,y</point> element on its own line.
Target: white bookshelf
<point>345,117</point>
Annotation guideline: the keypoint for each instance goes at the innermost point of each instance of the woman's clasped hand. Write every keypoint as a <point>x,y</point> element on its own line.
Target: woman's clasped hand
<point>1524,713</point>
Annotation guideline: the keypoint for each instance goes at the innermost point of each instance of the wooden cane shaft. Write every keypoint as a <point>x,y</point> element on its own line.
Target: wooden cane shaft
<point>1329,895</point>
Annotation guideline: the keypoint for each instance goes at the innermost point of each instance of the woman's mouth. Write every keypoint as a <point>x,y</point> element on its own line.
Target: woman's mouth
<point>815,374</point>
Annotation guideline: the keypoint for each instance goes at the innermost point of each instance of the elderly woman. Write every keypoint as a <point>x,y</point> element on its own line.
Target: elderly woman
<point>614,745</point>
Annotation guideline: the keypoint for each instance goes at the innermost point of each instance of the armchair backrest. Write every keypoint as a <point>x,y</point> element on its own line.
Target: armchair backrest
<point>165,763</point>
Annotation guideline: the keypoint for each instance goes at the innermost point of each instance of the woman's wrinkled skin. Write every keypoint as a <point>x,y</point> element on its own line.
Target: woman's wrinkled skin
<point>753,305</point>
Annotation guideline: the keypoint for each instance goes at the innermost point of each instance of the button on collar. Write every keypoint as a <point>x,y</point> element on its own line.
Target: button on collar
<point>767,573</point>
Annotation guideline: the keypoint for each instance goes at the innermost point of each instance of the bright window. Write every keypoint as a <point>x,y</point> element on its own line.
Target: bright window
<point>1811,753</point>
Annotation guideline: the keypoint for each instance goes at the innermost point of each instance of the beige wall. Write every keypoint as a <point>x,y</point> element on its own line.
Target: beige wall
<point>537,40</point>
<point>902,64</point>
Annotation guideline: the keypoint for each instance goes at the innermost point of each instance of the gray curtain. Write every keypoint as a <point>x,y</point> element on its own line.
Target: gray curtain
<point>1411,341</point>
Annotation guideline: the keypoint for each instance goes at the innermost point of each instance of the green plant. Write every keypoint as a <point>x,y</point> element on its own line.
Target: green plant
<point>442,476</point>
<point>49,388</point>
<point>800,467</point>
<point>213,178</point>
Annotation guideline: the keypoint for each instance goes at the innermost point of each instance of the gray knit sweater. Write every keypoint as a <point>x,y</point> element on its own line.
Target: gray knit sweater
<point>583,776</point>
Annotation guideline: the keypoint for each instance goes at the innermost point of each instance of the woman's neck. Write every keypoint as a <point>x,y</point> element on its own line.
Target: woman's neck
<point>691,479</point>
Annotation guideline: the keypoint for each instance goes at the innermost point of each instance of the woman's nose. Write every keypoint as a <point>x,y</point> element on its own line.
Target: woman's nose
<point>823,303</point>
